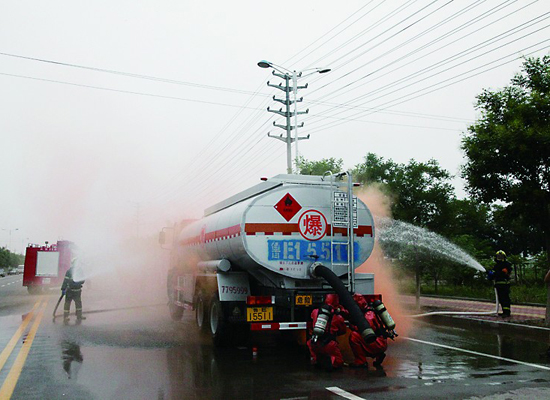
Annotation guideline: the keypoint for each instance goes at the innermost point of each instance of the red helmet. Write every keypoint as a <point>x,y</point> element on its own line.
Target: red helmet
<point>332,300</point>
<point>361,302</point>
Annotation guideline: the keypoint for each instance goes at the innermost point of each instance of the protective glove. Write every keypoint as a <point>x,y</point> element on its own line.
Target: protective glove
<point>63,291</point>
<point>490,275</point>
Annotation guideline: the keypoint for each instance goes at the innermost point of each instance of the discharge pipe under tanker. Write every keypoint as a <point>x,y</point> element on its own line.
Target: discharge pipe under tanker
<point>355,314</point>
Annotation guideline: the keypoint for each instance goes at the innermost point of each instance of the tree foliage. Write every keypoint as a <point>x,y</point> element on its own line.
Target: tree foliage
<point>306,167</point>
<point>508,150</point>
<point>9,260</point>
<point>421,193</point>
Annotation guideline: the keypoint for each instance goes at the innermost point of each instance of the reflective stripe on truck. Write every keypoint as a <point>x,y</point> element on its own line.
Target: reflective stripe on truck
<point>277,326</point>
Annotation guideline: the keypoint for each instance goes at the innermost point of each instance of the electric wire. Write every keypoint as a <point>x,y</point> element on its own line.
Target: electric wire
<point>439,63</point>
<point>130,74</point>
<point>335,35</point>
<point>386,123</point>
<point>428,30</point>
<point>440,37</point>
<point>124,91</point>
<point>406,80</point>
<point>383,41</point>
<point>371,27</point>
<point>434,88</point>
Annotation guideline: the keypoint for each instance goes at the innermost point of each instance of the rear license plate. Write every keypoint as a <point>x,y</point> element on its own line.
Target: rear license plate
<point>259,314</point>
<point>304,300</point>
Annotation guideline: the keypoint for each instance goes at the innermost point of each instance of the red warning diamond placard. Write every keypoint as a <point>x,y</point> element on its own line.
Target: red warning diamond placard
<point>288,207</point>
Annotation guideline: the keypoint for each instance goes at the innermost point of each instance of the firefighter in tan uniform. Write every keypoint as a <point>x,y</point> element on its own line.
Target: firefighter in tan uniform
<point>72,289</point>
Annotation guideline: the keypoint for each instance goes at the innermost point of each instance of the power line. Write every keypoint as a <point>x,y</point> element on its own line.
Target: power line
<point>130,74</point>
<point>433,87</point>
<point>441,62</point>
<point>406,79</point>
<point>335,35</point>
<point>125,91</point>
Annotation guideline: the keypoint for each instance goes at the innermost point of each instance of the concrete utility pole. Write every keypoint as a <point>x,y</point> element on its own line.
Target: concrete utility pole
<point>288,75</point>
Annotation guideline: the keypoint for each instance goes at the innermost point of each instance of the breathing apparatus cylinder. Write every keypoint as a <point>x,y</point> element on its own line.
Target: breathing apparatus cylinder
<point>322,325</point>
<point>385,317</point>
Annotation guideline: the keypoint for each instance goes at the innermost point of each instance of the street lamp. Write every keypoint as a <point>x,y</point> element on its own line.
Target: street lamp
<point>288,75</point>
<point>10,230</point>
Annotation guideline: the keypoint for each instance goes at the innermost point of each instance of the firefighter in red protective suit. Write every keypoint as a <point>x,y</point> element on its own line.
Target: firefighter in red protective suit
<point>327,325</point>
<point>362,350</point>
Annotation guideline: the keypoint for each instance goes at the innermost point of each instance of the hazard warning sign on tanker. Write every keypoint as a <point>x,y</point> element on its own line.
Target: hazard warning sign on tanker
<point>288,207</point>
<point>312,225</point>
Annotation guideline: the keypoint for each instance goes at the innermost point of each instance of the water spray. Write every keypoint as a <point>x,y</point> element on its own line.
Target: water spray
<point>399,232</point>
<point>393,231</point>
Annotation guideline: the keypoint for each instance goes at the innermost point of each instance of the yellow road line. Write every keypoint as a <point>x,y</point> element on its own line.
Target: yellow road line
<point>13,342</point>
<point>11,380</point>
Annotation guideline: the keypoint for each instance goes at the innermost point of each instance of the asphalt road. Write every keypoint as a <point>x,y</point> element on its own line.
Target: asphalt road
<point>128,348</point>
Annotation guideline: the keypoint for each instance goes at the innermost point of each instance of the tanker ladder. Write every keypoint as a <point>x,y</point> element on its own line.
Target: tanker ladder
<point>343,206</point>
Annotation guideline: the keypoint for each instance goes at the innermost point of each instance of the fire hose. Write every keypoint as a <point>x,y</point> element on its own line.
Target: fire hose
<point>57,305</point>
<point>459,312</point>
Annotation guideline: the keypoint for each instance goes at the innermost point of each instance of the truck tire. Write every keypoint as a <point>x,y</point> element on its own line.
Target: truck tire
<point>201,316</point>
<point>218,326</point>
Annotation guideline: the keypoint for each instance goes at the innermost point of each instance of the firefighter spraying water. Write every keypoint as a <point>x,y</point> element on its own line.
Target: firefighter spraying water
<point>264,259</point>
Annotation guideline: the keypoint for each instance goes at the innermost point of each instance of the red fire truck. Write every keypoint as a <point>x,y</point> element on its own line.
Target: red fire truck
<point>45,266</point>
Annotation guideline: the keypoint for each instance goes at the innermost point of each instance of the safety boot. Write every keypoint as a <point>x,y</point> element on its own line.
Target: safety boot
<point>378,361</point>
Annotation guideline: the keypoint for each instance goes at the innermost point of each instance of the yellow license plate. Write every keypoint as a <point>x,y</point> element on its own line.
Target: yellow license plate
<point>259,314</point>
<point>304,300</point>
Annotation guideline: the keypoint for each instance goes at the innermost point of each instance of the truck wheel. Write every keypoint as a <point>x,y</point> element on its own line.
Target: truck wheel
<point>217,322</point>
<point>175,312</point>
<point>200,313</point>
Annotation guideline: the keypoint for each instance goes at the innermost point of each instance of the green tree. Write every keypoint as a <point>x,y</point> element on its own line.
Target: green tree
<point>421,195</point>
<point>306,167</point>
<point>10,260</point>
<point>508,148</point>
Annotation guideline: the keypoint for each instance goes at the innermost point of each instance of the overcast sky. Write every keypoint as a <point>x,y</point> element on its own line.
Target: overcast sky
<point>119,117</point>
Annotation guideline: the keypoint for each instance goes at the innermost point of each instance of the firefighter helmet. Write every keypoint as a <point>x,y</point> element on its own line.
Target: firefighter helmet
<point>501,255</point>
<point>332,300</point>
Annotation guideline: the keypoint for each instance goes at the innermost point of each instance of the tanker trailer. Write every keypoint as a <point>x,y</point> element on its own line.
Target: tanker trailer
<point>260,260</point>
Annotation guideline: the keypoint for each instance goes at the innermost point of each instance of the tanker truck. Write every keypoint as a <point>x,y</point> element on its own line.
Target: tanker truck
<point>264,258</point>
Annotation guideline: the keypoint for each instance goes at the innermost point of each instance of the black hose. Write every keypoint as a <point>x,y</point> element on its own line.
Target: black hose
<point>355,314</point>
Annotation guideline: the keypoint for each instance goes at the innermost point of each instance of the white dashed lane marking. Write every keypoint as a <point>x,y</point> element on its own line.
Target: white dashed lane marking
<point>344,394</point>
